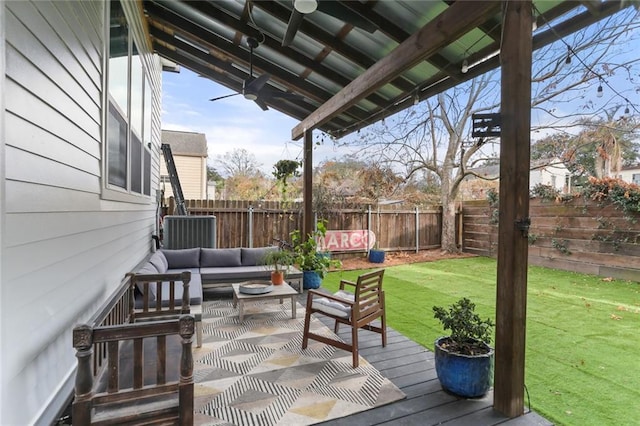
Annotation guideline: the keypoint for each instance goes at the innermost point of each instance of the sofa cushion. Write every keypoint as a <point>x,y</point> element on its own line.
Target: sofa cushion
<point>255,256</point>
<point>333,307</point>
<point>220,257</point>
<point>147,268</point>
<point>159,261</point>
<point>235,273</point>
<point>184,258</point>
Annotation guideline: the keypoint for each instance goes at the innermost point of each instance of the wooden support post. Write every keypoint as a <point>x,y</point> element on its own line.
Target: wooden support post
<point>185,391</point>
<point>307,173</point>
<point>511,300</point>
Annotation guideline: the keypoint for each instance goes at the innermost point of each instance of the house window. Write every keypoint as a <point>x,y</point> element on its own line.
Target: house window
<point>129,110</point>
<point>635,178</point>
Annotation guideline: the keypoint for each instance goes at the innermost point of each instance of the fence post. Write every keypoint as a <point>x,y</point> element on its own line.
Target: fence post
<point>250,223</point>
<point>368,226</point>
<point>417,230</point>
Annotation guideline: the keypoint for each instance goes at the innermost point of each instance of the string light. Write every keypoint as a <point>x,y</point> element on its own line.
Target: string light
<point>465,67</point>
<point>626,110</point>
<point>568,59</point>
<point>416,99</point>
<point>600,90</point>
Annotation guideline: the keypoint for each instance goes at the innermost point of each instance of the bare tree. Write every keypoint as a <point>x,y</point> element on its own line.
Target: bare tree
<point>239,162</point>
<point>435,135</point>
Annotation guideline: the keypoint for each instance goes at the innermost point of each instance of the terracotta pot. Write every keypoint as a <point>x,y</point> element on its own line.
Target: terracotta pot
<point>277,277</point>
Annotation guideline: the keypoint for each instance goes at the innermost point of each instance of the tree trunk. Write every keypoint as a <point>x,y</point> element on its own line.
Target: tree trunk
<point>448,243</point>
<point>448,238</point>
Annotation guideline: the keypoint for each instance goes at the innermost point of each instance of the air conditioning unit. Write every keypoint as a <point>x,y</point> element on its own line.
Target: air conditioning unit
<point>189,232</point>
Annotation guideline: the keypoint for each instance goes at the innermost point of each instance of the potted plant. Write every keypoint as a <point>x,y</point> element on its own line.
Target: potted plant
<point>376,255</point>
<point>464,359</point>
<point>279,261</point>
<point>313,264</point>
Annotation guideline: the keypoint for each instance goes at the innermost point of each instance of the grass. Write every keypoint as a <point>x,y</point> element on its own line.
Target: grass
<point>582,360</point>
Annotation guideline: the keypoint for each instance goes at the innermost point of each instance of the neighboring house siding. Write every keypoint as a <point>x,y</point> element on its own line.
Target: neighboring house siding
<point>192,172</point>
<point>630,175</point>
<point>64,248</point>
<point>550,175</point>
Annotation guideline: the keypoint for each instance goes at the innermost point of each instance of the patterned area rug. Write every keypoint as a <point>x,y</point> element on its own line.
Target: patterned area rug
<point>256,373</point>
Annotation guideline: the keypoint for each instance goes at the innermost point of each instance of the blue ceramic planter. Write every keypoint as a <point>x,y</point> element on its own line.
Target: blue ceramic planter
<point>376,256</point>
<point>468,376</point>
<point>311,279</point>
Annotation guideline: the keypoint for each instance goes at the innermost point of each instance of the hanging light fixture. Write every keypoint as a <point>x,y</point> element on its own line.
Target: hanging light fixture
<point>600,92</point>
<point>568,59</point>
<point>416,99</point>
<point>626,110</point>
<point>305,6</point>
<point>465,67</point>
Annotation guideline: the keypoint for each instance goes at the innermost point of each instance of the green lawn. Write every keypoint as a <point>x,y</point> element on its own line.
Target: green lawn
<point>583,332</point>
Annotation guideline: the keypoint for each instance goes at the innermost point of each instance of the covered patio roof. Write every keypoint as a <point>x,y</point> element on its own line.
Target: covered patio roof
<point>326,50</point>
<point>356,62</point>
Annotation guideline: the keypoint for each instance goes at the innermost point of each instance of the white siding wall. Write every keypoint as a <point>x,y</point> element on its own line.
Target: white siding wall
<point>2,191</point>
<point>64,248</point>
<point>546,175</point>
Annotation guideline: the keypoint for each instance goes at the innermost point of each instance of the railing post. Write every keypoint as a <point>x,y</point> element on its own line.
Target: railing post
<point>83,342</point>
<point>186,392</point>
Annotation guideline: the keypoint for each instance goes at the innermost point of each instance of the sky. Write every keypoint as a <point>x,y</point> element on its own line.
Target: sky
<point>234,122</point>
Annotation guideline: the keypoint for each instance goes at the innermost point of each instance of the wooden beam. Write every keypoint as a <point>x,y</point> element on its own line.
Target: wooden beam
<point>448,26</point>
<point>307,190</point>
<point>511,298</point>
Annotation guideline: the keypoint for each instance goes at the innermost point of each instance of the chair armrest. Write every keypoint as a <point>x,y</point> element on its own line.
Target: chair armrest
<point>343,282</point>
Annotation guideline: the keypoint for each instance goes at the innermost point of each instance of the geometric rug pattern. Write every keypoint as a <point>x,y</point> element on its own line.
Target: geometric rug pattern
<point>256,373</point>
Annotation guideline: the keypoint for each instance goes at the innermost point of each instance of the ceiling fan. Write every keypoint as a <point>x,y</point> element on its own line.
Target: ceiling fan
<point>255,89</point>
<point>330,7</point>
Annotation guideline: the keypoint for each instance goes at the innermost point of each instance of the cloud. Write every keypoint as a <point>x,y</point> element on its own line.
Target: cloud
<point>233,122</point>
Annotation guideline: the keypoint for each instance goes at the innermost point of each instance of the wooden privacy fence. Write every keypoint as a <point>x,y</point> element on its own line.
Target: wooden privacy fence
<point>258,224</point>
<point>578,235</point>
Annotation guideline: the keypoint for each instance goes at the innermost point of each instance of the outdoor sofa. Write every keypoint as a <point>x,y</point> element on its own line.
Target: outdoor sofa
<point>212,268</point>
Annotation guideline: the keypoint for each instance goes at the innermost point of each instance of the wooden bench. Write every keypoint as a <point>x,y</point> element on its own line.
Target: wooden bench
<point>135,363</point>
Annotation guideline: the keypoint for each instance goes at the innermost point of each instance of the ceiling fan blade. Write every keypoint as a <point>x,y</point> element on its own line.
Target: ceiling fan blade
<point>261,104</point>
<point>225,96</point>
<point>295,20</point>
<point>254,86</point>
<point>343,13</point>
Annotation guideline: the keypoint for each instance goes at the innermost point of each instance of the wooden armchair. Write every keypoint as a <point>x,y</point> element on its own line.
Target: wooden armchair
<point>146,378</point>
<point>357,308</point>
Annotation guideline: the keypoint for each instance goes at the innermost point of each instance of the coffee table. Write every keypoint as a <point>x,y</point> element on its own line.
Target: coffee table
<point>279,292</point>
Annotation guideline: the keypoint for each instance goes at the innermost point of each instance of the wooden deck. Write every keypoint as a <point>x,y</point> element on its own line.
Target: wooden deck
<point>411,367</point>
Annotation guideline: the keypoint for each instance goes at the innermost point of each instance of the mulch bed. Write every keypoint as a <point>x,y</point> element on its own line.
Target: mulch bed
<point>401,258</point>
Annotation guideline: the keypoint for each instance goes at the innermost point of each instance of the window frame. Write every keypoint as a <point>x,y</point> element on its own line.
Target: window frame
<point>128,192</point>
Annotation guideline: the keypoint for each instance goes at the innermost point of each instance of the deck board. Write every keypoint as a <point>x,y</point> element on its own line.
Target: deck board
<point>411,367</point>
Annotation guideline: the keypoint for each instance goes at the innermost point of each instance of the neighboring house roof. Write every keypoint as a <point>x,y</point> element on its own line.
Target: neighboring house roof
<point>186,143</point>
<point>632,167</point>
